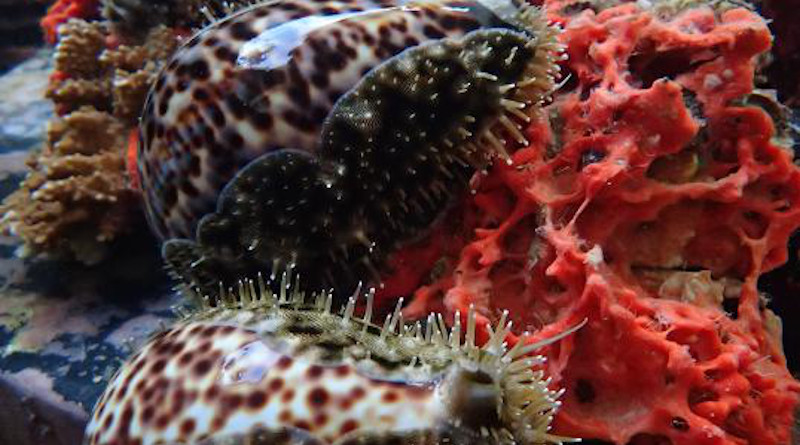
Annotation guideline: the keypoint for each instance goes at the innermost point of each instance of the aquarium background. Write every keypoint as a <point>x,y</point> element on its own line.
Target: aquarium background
<point>65,326</point>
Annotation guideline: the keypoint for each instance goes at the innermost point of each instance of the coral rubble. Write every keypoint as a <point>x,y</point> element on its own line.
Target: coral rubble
<point>77,196</point>
<point>658,191</point>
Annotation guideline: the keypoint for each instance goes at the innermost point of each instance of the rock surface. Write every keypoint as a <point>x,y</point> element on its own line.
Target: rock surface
<point>64,328</point>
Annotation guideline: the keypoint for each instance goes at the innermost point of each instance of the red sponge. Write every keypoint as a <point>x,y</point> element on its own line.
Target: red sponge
<point>63,10</point>
<point>658,188</point>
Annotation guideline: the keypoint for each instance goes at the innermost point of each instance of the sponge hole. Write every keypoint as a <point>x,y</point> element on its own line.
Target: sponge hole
<point>584,391</point>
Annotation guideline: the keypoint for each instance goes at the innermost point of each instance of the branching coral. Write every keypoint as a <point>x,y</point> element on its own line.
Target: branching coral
<point>656,193</point>
<point>90,69</point>
<point>77,197</point>
<point>74,181</point>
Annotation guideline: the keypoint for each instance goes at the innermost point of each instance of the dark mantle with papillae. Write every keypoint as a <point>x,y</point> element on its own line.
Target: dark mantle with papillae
<point>65,328</point>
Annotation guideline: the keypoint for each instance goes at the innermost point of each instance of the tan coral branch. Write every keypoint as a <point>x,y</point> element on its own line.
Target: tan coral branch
<point>77,196</point>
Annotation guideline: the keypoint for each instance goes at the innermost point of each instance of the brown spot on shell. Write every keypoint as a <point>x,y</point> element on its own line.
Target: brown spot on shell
<point>158,366</point>
<point>107,421</point>
<point>202,367</point>
<point>358,392</point>
<point>390,397</point>
<point>314,372</point>
<point>241,31</point>
<point>205,347</point>
<point>303,425</point>
<point>233,401</point>
<point>318,397</point>
<point>342,371</point>
<point>320,420</point>
<point>177,399</point>
<point>275,384</point>
<point>256,400</point>
<point>147,414</point>
<point>217,423</point>
<point>187,427</point>
<point>348,426</point>
<point>185,358</point>
<point>284,363</point>
<point>162,421</point>
<point>199,70</point>
<point>225,54</point>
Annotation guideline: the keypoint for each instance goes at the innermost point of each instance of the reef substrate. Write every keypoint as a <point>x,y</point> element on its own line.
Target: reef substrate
<point>657,190</point>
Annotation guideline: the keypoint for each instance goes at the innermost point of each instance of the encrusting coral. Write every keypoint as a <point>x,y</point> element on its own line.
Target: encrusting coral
<point>659,190</point>
<point>77,196</point>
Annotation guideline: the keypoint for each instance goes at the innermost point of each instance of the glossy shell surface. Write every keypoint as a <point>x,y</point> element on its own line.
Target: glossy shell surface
<point>395,152</point>
<point>263,364</point>
<point>325,139</point>
<point>204,379</point>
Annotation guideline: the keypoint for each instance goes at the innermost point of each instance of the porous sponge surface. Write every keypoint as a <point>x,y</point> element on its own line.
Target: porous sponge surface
<point>655,192</point>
